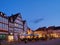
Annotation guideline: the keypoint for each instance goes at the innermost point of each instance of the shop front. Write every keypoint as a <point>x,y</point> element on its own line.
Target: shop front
<point>2,36</point>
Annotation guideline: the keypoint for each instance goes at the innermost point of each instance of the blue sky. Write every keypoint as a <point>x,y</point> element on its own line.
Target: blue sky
<point>32,10</point>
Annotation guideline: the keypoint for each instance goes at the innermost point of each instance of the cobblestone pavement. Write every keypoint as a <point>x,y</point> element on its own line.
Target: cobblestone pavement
<point>40,42</point>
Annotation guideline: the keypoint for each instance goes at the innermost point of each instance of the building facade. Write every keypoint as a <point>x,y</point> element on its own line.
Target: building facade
<point>50,33</point>
<point>17,25</point>
<point>12,27</point>
<point>54,32</point>
<point>3,26</point>
<point>30,33</point>
<point>41,32</point>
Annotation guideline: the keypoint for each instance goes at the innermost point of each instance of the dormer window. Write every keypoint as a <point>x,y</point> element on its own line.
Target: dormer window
<point>4,15</point>
<point>11,20</point>
<point>1,13</point>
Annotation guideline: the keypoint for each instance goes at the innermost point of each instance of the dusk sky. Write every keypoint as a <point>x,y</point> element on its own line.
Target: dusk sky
<point>45,12</point>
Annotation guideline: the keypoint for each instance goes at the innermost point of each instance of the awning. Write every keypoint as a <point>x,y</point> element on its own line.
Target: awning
<point>29,35</point>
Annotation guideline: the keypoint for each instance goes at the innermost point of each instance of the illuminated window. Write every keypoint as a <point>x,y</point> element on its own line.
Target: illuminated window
<point>10,38</point>
<point>16,25</point>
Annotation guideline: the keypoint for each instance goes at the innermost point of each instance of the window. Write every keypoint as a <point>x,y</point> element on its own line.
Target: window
<point>16,25</point>
<point>1,25</point>
<point>19,18</point>
<point>11,20</point>
<point>0,19</point>
<point>5,20</point>
<point>10,28</point>
<point>20,26</point>
<point>15,30</point>
<point>11,24</point>
<point>20,22</point>
<point>5,26</point>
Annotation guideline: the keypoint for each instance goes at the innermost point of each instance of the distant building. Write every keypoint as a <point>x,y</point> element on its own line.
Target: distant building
<point>54,32</point>
<point>41,32</point>
<point>50,32</point>
<point>30,33</point>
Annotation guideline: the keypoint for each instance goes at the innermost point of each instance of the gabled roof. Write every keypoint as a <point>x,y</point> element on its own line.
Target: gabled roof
<point>51,28</point>
<point>13,17</point>
<point>3,15</point>
<point>57,28</point>
<point>41,29</point>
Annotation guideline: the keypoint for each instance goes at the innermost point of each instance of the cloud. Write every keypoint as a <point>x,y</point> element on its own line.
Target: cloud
<point>38,20</point>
